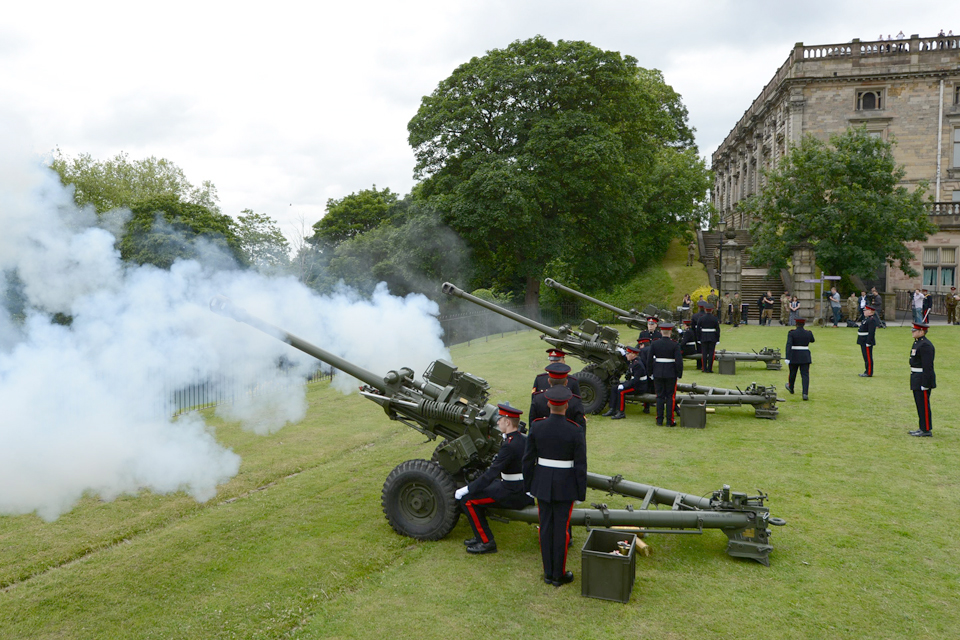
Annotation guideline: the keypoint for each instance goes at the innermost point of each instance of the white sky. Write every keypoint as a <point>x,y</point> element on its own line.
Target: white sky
<point>286,104</point>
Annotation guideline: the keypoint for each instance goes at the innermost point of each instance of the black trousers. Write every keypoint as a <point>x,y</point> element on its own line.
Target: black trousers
<point>475,506</point>
<point>922,399</point>
<point>706,353</point>
<point>554,536</point>
<point>867,352</point>
<point>804,376</point>
<point>666,389</point>
<point>618,397</point>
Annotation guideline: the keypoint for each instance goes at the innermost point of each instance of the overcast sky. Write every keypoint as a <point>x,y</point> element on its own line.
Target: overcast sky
<point>283,105</point>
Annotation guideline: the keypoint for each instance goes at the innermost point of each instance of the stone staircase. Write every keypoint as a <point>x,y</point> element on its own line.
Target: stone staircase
<point>754,282</point>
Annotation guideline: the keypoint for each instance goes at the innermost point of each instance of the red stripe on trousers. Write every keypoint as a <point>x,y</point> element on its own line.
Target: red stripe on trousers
<point>869,360</point>
<point>566,542</point>
<point>926,409</point>
<point>476,520</point>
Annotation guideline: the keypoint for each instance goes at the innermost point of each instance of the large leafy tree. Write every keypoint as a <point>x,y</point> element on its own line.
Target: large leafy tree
<point>263,245</point>
<point>543,152</point>
<point>120,182</point>
<point>352,215</point>
<point>846,200</point>
<point>165,228</point>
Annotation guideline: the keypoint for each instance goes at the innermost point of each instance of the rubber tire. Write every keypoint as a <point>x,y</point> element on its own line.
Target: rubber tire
<point>418,501</point>
<point>593,391</point>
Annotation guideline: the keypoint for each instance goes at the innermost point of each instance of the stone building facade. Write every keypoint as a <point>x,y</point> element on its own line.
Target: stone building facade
<point>906,90</point>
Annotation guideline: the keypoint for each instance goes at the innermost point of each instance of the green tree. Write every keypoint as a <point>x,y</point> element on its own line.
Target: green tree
<point>542,150</point>
<point>262,243</point>
<point>164,228</point>
<point>845,199</point>
<point>352,215</point>
<point>121,182</point>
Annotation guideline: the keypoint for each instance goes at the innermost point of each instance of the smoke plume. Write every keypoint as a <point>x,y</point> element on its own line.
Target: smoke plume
<point>85,405</point>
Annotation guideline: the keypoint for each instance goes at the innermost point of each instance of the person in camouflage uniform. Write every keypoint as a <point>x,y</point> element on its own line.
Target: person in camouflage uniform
<point>735,309</point>
<point>853,307</point>
<point>785,307</point>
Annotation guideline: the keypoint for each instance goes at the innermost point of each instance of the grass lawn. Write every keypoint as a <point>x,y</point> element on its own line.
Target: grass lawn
<point>297,546</point>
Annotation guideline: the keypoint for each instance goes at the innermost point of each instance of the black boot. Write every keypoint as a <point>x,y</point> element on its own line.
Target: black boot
<point>610,413</point>
<point>483,547</point>
<point>619,415</point>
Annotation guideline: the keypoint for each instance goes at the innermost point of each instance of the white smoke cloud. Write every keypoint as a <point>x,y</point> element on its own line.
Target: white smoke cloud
<point>84,405</point>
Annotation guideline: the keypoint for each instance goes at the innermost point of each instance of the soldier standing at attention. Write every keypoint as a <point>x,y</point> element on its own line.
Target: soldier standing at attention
<point>951,303</point>
<point>725,309</point>
<point>557,373</point>
<point>500,486</point>
<point>691,253</point>
<point>798,356</point>
<point>867,339</point>
<point>736,309</point>
<point>922,377</point>
<point>695,327</point>
<point>785,307</point>
<point>709,337</point>
<point>635,382</point>
<point>653,328</point>
<point>927,306</point>
<point>665,364</point>
<point>541,382</point>
<point>555,473</point>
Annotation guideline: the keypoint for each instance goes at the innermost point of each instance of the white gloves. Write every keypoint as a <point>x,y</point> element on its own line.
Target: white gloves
<point>788,362</point>
<point>924,389</point>
<point>621,351</point>
<point>619,387</point>
<point>462,491</point>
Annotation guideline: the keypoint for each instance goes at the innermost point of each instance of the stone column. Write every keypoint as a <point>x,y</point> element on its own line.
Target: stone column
<point>731,262</point>
<point>804,265</point>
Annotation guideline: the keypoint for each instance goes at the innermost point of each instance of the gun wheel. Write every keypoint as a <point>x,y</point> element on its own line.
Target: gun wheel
<point>593,391</point>
<point>418,500</point>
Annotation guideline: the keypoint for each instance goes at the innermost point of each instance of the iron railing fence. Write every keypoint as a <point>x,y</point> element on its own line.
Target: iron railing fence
<point>211,391</point>
<point>905,302</point>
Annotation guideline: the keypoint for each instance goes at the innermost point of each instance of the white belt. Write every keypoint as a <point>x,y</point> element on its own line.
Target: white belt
<point>804,348</point>
<point>645,377</point>
<point>556,464</point>
<point>706,330</point>
<point>862,333</point>
<point>915,370</point>
<point>664,360</point>
<point>512,477</point>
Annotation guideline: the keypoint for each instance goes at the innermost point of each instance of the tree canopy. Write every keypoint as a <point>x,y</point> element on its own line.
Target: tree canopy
<point>352,215</point>
<point>164,228</point>
<point>261,241</point>
<point>845,199</point>
<point>121,182</point>
<point>545,156</point>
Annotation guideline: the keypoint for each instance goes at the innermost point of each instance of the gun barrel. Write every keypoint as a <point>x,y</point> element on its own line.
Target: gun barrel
<point>224,307</point>
<point>453,290</point>
<point>550,282</point>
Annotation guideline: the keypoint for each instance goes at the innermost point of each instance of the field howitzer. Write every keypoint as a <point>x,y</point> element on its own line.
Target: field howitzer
<point>596,345</point>
<point>418,495</point>
<point>637,320</point>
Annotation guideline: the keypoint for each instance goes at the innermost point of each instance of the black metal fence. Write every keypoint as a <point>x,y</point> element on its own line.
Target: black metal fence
<point>905,302</point>
<point>210,391</point>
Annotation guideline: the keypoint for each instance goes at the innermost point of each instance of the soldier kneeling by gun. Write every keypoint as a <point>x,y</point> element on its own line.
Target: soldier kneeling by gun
<point>500,486</point>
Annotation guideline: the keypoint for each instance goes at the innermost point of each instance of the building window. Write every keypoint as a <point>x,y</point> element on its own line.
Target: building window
<point>939,268</point>
<point>956,147</point>
<point>870,100</point>
<point>956,94</point>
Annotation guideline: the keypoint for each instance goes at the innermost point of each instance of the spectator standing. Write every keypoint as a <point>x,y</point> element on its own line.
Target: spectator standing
<point>917,305</point>
<point>835,305</point>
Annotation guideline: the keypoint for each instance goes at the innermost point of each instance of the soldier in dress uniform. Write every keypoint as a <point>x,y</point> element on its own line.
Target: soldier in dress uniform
<point>665,364</point>
<point>923,378</point>
<point>653,328</point>
<point>558,374</point>
<point>501,485</point>
<point>927,306</point>
<point>798,356</point>
<point>636,381</point>
<point>695,327</point>
<point>867,339</point>
<point>709,337</point>
<point>688,340</point>
<point>555,473</point>
<point>540,383</point>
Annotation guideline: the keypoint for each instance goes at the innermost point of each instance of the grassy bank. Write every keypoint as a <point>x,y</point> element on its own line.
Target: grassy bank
<point>296,545</point>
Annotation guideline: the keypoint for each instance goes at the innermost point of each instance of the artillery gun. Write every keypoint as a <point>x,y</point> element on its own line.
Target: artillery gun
<point>418,495</point>
<point>638,320</point>
<point>597,346</point>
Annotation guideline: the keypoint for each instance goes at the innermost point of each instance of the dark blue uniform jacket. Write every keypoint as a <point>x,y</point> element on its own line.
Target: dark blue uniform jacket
<point>798,343</point>
<point>556,439</point>
<point>509,494</point>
